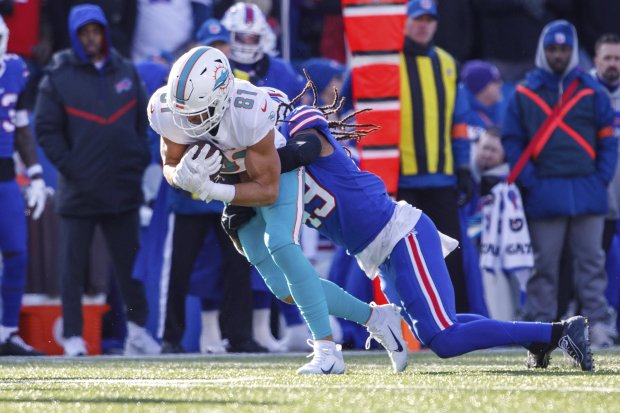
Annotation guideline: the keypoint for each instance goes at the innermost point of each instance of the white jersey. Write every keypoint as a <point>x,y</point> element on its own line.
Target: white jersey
<point>250,116</point>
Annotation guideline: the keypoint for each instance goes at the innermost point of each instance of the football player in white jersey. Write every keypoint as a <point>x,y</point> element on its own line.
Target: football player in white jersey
<point>203,102</point>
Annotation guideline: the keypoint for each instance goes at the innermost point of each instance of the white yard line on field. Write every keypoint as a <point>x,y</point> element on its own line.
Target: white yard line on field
<point>136,382</point>
<point>252,382</point>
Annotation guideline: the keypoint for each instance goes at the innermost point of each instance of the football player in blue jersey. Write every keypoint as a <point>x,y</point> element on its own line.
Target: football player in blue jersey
<point>15,135</point>
<point>401,245</point>
<point>252,44</point>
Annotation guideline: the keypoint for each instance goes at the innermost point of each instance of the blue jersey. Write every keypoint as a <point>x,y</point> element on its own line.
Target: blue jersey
<point>345,204</point>
<point>12,83</point>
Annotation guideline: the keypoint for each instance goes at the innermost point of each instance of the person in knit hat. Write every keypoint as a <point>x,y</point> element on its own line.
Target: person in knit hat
<point>326,74</point>
<point>482,80</point>
<point>483,86</point>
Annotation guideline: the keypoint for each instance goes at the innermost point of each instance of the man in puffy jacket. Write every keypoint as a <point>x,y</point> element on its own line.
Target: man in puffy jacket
<point>565,178</point>
<point>90,122</point>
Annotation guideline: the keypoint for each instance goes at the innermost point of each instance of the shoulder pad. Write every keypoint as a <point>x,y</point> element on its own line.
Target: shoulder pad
<point>305,117</point>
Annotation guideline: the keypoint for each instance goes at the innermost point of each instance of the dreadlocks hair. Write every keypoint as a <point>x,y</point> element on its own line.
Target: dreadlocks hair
<point>339,128</point>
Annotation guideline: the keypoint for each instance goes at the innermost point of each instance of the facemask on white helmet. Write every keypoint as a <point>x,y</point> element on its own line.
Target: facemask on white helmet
<point>249,32</point>
<point>199,89</point>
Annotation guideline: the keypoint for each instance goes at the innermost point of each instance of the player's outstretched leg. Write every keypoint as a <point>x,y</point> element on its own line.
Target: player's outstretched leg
<point>381,320</point>
<point>384,326</point>
<point>574,342</point>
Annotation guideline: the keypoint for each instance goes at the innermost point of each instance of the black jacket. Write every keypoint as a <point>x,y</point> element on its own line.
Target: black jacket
<point>91,124</point>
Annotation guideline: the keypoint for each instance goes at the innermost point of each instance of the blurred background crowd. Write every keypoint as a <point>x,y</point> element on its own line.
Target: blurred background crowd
<point>110,259</point>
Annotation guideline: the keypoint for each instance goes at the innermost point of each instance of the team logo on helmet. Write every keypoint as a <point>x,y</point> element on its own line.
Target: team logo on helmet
<point>222,78</point>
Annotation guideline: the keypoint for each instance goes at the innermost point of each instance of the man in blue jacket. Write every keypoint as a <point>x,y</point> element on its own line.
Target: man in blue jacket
<point>564,180</point>
<point>90,123</point>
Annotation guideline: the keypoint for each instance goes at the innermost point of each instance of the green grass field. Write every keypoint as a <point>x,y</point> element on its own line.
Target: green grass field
<point>485,381</point>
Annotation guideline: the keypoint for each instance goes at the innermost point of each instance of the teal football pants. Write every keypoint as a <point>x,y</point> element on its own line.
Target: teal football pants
<point>273,234</point>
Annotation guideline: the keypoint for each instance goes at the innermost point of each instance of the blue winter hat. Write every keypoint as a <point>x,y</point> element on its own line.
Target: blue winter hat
<point>559,32</point>
<point>322,71</point>
<point>212,31</point>
<point>477,74</point>
<point>417,8</point>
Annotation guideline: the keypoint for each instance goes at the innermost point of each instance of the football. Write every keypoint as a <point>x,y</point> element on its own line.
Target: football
<point>206,146</point>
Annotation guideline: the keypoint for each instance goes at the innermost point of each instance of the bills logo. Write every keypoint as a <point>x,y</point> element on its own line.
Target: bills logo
<point>516,224</point>
<point>214,29</point>
<point>560,38</point>
<point>123,86</point>
<point>426,4</point>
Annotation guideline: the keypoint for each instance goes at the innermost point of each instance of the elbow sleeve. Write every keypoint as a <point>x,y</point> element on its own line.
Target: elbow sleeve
<point>299,151</point>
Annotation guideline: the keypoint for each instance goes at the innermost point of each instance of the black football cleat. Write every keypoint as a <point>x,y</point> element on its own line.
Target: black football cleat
<point>575,342</point>
<point>247,346</point>
<point>15,346</point>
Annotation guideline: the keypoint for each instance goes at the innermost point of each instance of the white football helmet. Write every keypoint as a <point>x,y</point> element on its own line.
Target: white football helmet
<point>250,33</point>
<point>4,36</point>
<point>199,90</point>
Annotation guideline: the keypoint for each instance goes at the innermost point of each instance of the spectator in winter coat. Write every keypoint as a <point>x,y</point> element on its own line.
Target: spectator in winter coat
<point>90,122</point>
<point>564,180</point>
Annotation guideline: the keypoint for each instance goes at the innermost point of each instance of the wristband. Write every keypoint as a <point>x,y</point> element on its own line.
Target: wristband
<point>222,192</point>
<point>34,171</point>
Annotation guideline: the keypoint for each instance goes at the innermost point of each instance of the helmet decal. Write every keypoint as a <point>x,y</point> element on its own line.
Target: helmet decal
<point>249,15</point>
<point>185,72</point>
<point>222,77</point>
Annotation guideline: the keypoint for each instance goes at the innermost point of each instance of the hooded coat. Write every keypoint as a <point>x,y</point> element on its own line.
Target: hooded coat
<point>90,121</point>
<point>570,175</point>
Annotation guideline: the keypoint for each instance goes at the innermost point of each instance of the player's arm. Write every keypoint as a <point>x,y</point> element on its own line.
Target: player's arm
<point>171,155</point>
<point>36,193</point>
<point>24,141</point>
<point>263,170</point>
<point>24,144</point>
<point>193,171</point>
<point>303,148</point>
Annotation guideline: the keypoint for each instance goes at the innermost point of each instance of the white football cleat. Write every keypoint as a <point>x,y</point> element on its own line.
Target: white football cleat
<point>74,346</point>
<point>139,341</point>
<point>384,326</point>
<point>326,358</point>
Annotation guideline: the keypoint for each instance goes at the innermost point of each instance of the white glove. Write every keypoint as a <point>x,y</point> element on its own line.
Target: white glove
<point>36,195</point>
<point>193,175</point>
